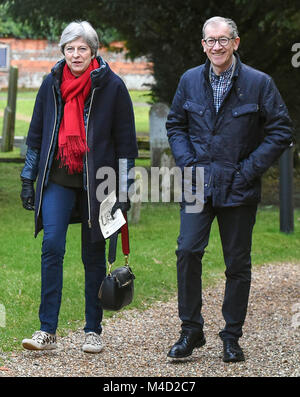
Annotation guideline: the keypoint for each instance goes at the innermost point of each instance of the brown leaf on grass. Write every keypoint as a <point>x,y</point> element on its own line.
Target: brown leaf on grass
<point>157,261</point>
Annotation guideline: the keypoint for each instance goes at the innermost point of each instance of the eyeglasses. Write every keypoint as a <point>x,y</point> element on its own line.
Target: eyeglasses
<point>80,50</point>
<point>223,41</point>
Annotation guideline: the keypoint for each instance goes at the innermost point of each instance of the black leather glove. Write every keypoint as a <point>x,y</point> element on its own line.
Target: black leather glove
<point>27,194</point>
<point>124,207</point>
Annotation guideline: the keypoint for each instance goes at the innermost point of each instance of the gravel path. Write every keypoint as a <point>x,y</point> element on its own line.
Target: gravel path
<point>136,343</point>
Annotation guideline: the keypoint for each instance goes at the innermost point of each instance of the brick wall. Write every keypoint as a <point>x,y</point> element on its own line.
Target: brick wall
<point>35,58</point>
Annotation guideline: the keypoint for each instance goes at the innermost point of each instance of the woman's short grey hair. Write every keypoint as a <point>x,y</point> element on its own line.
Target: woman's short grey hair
<point>232,25</point>
<point>76,30</point>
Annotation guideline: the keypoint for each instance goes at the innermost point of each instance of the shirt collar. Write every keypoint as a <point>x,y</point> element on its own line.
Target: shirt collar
<point>226,75</point>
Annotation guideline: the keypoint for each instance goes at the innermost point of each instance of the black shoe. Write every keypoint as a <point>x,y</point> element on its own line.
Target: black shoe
<point>232,352</point>
<point>185,345</point>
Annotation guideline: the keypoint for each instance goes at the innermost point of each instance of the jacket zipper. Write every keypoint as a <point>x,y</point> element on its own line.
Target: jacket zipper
<point>216,119</point>
<point>86,163</point>
<point>209,181</point>
<point>46,165</point>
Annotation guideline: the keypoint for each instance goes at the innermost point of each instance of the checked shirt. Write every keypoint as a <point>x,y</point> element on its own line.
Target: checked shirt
<point>220,85</point>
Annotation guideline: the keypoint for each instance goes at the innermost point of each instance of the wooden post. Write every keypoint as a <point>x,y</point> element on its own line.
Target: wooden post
<point>5,144</point>
<point>286,191</point>
<point>8,131</point>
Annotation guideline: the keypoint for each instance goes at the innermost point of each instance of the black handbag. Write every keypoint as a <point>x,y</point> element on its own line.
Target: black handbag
<point>117,289</point>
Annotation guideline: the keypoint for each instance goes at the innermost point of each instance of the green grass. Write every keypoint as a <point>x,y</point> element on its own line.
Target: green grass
<point>25,102</point>
<point>141,115</point>
<point>12,154</point>
<point>153,244</point>
<point>138,96</point>
<point>21,128</point>
<point>26,99</point>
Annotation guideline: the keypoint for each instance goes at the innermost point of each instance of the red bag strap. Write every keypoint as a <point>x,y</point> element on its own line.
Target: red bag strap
<point>125,237</point>
<point>113,244</point>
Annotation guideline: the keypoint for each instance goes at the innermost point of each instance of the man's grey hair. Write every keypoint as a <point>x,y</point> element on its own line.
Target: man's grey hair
<point>232,25</point>
<point>80,29</point>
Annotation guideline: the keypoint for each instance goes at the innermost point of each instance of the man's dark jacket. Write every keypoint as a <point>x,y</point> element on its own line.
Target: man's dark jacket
<point>236,145</point>
<point>110,132</point>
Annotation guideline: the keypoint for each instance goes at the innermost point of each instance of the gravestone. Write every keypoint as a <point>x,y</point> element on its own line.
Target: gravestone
<point>161,155</point>
<point>158,134</point>
<point>23,148</point>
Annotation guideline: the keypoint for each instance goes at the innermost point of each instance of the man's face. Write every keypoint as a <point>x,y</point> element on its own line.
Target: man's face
<point>220,56</point>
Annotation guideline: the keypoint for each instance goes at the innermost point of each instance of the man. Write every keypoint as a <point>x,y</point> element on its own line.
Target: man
<point>229,119</point>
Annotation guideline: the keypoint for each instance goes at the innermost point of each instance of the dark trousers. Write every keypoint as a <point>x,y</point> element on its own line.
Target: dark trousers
<point>58,204</point>
<point>235,228</point>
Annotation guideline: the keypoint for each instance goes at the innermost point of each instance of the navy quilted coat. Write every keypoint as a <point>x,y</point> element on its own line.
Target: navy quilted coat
<point>236,145</point>
<point>110,132</point>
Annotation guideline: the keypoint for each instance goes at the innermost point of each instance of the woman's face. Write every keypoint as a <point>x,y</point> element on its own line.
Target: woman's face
<point>78,56</point>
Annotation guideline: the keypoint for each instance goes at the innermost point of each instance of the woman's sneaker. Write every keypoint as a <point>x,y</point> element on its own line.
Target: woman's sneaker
<point>92,343</point>
<point>40,340</point>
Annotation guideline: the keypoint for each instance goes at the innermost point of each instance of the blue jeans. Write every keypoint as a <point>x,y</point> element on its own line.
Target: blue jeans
<point>57,206</point>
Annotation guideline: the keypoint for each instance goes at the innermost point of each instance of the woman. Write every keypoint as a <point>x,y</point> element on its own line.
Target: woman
<point>82,120</point>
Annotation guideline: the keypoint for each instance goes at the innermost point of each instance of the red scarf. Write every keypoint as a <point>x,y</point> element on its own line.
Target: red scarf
<point>72,143</point>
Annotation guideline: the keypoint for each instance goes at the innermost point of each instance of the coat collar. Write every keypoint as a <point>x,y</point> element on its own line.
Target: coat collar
<point>236,70</point>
